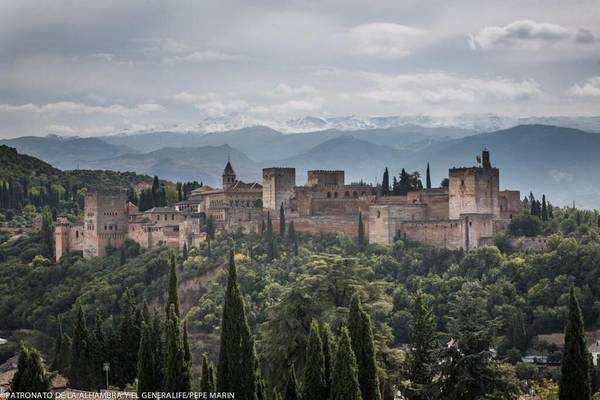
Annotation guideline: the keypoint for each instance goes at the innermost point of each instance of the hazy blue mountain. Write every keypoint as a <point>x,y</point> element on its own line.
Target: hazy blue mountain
<point>66,153</point>
<point>185,164</point>
<point>261,143</point>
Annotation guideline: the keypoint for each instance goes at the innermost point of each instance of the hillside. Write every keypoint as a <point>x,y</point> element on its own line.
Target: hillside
<point>65,153</point>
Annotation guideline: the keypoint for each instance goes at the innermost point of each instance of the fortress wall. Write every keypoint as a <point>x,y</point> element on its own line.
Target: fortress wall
<point>106,222</point>
<point>325,178</point>
<point>385,220</point>
<point>479,226</point>
<point>510,203</point>
<point>447,234</point>
<point>326,224</point>
<point>68,237</point>
<point>473,190</point>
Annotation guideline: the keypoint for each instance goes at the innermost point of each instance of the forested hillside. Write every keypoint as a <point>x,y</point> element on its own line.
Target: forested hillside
<point>507,295</point>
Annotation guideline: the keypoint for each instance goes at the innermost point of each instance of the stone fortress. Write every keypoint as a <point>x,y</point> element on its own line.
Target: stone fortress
<point>465,214</point>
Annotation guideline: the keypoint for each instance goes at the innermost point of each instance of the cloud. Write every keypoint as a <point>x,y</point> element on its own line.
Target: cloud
<point>284,89</point>
<point>589,88</point>
<point>73,108</point>
<point>441,87</point>
<point>385,40</point>
<point>529,33</point>
<point>204,56</point>
<point>290,107</point>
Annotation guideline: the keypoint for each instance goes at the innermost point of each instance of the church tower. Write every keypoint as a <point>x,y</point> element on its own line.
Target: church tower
<point>228,176</point>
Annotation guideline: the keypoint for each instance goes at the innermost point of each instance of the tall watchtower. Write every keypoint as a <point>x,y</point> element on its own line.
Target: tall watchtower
<point>474,190</point>
<point>229,177</point>
<point>278,187</point>
<point>105,221</point>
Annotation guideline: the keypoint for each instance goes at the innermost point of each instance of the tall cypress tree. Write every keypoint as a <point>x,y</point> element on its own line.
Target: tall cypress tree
<point>129,342</point>
<point>47,232</point>
<point>177,370</point>
<point>237,359</point>
<point>344,383</point>
<point>291,387</point>
<point>186,345</point>
<point>315,385</point>
<point>157,328</point>
<point>281,222</point>
<point>428,178</point>
<point>60,361</point>
<point>270,239</point>
<point>207,379</point>
<point>361,334</point>
<point>423,344</point>
<point>146,363</point>
<point>360,238</point>
<point>328,355</point>
<point>31,376</point>
<point>544,209</point>
<point>574,371</point>
<point>385,183</point>
<point>292,237</point>
<point>173,298</point>
<point>80,372</point>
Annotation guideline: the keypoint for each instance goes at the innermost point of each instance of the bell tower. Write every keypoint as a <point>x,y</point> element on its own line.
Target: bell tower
<point>228,176</point>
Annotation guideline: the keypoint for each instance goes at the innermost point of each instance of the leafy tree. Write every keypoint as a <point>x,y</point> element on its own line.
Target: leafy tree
<point>237,359</point>
<point>574,371</point>
<point>525,225</point>
<point>281,222</point>
<point>291,386</point>
<point>344,382</point>
<point>207,379</point>
<point>31,376</point>
<point>178,376</point>
<point>423,344</point>
<point>361,334</point>
<point>315,384</point>
<point>385,183</point>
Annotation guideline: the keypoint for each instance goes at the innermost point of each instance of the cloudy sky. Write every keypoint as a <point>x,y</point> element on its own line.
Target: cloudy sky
<point>94,67</point>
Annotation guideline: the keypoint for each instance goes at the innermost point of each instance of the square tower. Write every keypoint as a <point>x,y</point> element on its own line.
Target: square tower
<point>474,190</point>
<point>105,221</point>
<point>278,187</point>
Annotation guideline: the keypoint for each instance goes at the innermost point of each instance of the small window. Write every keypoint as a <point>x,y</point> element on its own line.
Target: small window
<point>335,194</point>
<point>328,195</point>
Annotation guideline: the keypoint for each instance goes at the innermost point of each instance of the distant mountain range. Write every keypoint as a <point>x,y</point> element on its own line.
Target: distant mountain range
<point>559,162</point>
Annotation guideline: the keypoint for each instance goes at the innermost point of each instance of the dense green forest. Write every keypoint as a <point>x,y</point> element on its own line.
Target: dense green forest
<point>289,281</point>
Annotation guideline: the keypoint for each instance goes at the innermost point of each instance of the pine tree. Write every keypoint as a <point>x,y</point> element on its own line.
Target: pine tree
<point>385,183</point>
<point>574,372</point>
<point>423,344</point>
<point>363,346</point>
<point>173,298</point>
<point>80,372</point>
<point>344,382</point>
<point>428,178</point>
<point>360,238</point>
<point>237,359</point>
<point>47,233</point>
<point>291,387</point>
<point>328,354</point>
<point>177,370</point>
<point>281,222</point>
<point>207,379</point>
<point>31,376</point>
<point>315,385</point>
<point>544,212</point>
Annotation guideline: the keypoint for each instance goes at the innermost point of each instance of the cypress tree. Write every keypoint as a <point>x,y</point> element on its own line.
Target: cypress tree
<point>315,385</point>
<point>428,178</point>
<point>328,353</point>
<point>156,337</point>
<point>146,363</point>
<point>177,370</point>
<point>129,342</point>
<point>210,228</point>
<point>291,387</point>
<point>395,187</point>
<point>360,238</point>
<point>344,382</point>
<point>47,232</point>
<point>361,334</point>
<point>207,379</point>
<point>423,344</point>
<point>237,359</point>
<point>270,239</point>
<point>31,376</point>
<point>173,298</point>
<point>80,372</point>
<point>186,345</point>
<point>261,390</point>
<point>184,252</point>
<point>292,237</point>
<point>544,209</point>
<point>281,222</point>
<point>58,361</point>
<point>574,371</point>
<point>385,183</point>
